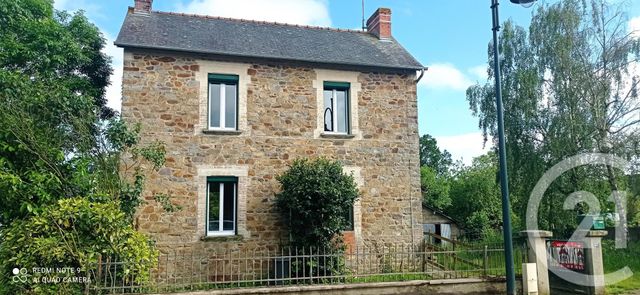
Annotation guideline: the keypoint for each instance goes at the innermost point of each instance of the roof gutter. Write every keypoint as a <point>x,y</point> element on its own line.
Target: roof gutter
<point>422,73</point>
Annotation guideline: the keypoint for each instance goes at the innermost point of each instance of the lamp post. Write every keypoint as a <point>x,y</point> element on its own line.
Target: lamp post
<point>504,181</point>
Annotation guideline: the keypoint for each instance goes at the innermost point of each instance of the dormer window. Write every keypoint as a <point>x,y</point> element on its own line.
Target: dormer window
<point>336,107</point>
<point>223,102</point>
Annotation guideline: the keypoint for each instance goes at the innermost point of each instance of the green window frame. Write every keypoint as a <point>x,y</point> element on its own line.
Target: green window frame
<point>221,206</point>
<point>336,114</point>
<point>222,102</point>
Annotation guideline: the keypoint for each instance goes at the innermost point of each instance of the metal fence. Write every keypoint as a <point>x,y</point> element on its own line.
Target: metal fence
<point>199,268</point>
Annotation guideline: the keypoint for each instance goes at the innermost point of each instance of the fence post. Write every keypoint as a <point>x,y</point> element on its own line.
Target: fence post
<point>537,253</point>
<point>593,261</point>
<point>485,262</point>
<point>98,272</point>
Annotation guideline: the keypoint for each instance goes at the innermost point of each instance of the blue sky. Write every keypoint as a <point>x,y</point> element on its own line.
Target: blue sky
<point>450,37</point>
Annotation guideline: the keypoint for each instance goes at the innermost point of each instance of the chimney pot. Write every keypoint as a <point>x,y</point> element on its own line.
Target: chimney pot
<point>379,23</point>
<point>142,6</point>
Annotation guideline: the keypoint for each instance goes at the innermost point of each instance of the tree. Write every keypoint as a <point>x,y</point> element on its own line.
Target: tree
<point>431,156</point>
<point>52,81</point>
<point>62,149</point>
<point>567,89</point>
<point>475,196</point>
<point>315,200</point>
<point>434,173</point>
<point>435,188</point>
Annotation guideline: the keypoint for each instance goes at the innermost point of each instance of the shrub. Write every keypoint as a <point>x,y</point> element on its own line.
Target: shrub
<point>315,201</point>
<point>73,233</point>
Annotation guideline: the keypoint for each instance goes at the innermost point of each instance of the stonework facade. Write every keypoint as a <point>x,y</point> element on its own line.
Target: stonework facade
<point>278,121</point>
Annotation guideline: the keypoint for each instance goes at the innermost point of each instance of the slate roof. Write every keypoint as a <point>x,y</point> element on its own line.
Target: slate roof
<point>255,39</point>
<point>438,212</point>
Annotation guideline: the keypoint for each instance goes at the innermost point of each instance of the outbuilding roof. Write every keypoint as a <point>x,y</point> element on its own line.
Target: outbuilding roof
<point>263,40</point>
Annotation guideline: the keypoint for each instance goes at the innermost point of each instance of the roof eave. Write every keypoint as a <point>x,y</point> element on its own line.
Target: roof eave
<point>402,68</point>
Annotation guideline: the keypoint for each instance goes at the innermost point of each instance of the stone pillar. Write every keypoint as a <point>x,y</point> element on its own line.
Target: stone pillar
<point>593,262</point>
<point>537,253</point>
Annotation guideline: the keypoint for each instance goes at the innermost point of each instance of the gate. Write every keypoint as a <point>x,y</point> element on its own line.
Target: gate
<point>566,256</point>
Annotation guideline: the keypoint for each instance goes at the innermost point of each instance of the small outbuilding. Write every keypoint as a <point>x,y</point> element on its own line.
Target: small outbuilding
<point>436,223</point>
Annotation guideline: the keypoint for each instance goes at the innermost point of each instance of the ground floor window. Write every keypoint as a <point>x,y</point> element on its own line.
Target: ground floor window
<point>349,218</point>
<point>221,205</point>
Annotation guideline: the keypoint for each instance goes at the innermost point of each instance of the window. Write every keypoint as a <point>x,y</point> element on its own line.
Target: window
<point>223,102</point>
<point>336,107</point>
<point>349,217</point>
<point>221,205</point>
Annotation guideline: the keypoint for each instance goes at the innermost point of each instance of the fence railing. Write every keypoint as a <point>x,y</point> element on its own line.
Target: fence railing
<point>200,268</point>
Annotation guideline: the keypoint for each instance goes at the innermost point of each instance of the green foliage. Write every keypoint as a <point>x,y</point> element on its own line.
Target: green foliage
<point>54,140</point>
<point>432,157</point>
<point>435,188</point>
<point>616,259</point>
<point>52,80</point>
<point>475,196</point>
<point>435,172</point>
<point>567,89</point>
<point>58,141</point>
<point>122,170</point>
<point>314,201</point>
<point>164,200</point>
<point>73,233</point>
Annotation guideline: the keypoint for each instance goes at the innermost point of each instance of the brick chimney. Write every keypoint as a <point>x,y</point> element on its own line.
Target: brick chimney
<point>143,6</point>
<point>379,23</point>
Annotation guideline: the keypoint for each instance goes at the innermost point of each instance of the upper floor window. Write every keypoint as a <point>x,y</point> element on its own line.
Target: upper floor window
<point>221,205</point>
<point>336,107</point>
<point>223,102</point>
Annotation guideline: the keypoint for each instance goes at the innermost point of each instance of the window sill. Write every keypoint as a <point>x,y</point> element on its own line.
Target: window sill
<point>337,135</point>
<point>221,132</point>
<point>222,238</point>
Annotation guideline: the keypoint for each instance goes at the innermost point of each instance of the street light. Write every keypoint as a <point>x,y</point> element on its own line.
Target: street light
<point>524,3</point>
<point>504,181</point>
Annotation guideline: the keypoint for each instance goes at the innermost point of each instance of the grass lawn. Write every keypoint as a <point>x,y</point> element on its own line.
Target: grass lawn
<point>615,259</point>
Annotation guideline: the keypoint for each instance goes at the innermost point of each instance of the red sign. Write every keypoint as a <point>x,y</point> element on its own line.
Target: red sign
<point>566,255</point>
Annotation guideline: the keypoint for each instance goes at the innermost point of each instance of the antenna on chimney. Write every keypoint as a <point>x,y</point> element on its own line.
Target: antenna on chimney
<point>363,26</point>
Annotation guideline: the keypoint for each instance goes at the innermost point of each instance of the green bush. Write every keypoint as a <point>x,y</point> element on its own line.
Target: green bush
<point>315,201</point>
<point>73,233</point>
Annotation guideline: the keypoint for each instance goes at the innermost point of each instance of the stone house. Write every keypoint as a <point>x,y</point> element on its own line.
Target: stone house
<point>235,101</point>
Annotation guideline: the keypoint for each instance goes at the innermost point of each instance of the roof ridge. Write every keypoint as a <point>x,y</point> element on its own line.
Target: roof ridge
<point>259,22</point>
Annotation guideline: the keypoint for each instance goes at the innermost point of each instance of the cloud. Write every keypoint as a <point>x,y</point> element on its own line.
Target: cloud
<point>447,76</point>
<point>464,146</point>
<point>634,27</point>
<point>302,12</point>
<point>479,72</point>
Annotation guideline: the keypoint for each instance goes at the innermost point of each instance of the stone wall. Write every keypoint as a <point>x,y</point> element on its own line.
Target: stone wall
<point>163,92</point>
<point>441,287</point>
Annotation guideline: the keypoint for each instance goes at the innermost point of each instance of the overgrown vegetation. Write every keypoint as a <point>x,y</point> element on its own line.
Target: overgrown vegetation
<point>73,233</point>
<point>71,173</point>
<point>615,259</point>
<point>569,87</point>
<point>469,193</point>
<point>314,203</point>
